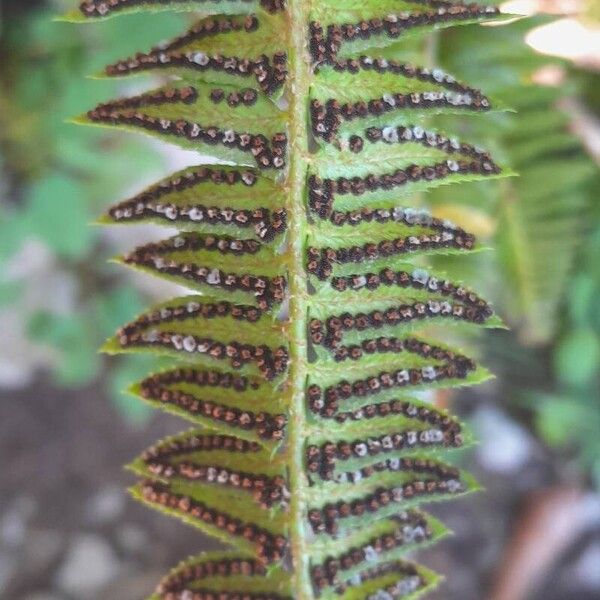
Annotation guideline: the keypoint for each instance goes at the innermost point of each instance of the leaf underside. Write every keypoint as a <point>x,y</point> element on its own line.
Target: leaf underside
<point>371,449</point>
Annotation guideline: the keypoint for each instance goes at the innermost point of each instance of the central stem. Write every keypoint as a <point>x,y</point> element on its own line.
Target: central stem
<point>300,74</point>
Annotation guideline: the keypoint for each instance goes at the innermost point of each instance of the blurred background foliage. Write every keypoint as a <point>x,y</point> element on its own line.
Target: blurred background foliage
<point>59,299</point>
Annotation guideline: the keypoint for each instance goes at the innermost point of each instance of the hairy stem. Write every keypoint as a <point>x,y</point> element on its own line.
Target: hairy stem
<point>298,135</point>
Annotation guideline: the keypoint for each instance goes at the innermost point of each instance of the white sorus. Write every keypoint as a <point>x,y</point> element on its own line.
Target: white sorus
<point>196,214</point>
<point>434,307</point>
<point>165,313</point>
<point>420,276</point>
<point>371,554</point>
<point>359,282</point>
<point>452,165</point>
<point>178,242</point>
<point>200,58</point>
<point>164,58</point>
<point>151,336</point>
<point>390,134</point>
<point>424,217</point>
<point>341,478</point>
<point>214,277</point>
<point>398,214</point>
<point>408,585</point>
<point>193,307</point>
<point>454,486</point>
<point>411,438</point>
<point>407,134</point>
<point>433,284</point>
<point>189,343</point>
<point>410,216</point>
<point>394,464</point>
<point>195,130</point>
<point>229,136</point>
<point>357,476</point>
<point>402,376</point>
<point>355,579</point>
<point>436,435</point>
<point>177,341</point>
<point>389,99</point>
<point>398,494</point>
<point>223,476</point>
<point>428,372</point>
<point>211,474</point>
<point>159,262</point>
<point>248,178</point>
<point>438,75</point>
<point>387,442</point>
<point>445,307</point>
<point>418,132</point>
<point>360,449</point>
<point>165,123</point>
<point>203,347</point>
<point>447,236</point>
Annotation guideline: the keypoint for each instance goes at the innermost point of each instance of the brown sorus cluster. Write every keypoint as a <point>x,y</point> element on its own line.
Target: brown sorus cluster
<point>194,573</point>
<point>322,460</point>
<point>424,414</point>
<point>416,134</point>
<point>269,72</point>
<point>207,594</point>
<point>410,527</point>
<point>266,224</point>
<point>322,191</point>
<point>269,547</point>
<point>414,530</point>
<point>169,95</point>
<point>455,366</point>
<point>330,333</point>
<point>325,520</point>
<point>209,27</point>
<point>266,290</point>
<point>194,242</point>
<point>267,491</point>
<point>266,425</point>
<point>320,260</point>
<point>270,362</point>
<point>267,154</point>
<point>102,8</point>
<point>199,443</point>
<point>327,117</point>
<point>246,97</point>
<point>325,45</point>
<point>207,378</point>
<point>409,580</point>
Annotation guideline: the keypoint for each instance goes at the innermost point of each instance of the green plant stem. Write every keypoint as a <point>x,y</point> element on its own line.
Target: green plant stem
<point>298,139</point>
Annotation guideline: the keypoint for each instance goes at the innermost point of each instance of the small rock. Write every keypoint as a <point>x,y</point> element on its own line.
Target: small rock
<point>132,538</point>
<point>106,506</point>
<point>8,568</point>
<point>89,565</point>
<point>14,522</point>
<point>505,445</point>
<point>587,568</point>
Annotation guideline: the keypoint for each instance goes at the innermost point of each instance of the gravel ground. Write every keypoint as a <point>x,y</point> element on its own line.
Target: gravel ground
<point>68,531</point>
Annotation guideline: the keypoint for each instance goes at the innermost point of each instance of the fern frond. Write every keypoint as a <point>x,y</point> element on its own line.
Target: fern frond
<point>305,338</point>
<point>543,212</point>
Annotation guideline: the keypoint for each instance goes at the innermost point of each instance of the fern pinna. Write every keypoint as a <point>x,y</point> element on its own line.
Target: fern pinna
<point>304,246</point>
